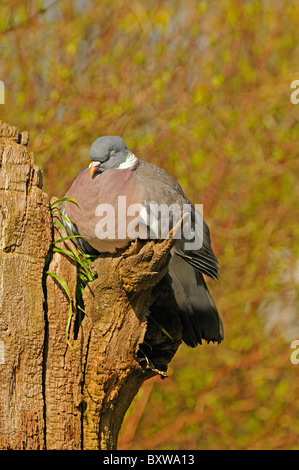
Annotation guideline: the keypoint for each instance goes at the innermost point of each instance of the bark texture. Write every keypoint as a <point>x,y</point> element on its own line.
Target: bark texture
<point>26,235</point>
<point>53,396</point>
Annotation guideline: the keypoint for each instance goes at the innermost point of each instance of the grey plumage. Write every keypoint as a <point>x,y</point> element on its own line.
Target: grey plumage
<point>116,171</point>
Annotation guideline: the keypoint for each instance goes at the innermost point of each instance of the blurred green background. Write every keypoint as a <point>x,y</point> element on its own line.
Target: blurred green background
<point>203,89</point>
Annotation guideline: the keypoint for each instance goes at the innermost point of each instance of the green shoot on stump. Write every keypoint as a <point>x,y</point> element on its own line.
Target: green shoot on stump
<point>83,260</point>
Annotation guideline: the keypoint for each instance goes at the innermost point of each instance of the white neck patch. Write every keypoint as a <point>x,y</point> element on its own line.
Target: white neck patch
<point>130,163</point>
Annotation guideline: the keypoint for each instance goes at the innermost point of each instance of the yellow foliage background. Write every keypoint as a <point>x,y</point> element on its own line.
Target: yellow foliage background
<point>202,89</point>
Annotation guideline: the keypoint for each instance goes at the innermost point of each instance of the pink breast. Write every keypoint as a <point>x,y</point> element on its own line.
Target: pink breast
<point>104,188</point>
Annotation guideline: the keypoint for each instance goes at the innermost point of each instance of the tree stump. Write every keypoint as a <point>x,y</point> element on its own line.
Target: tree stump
<point>53,396</point>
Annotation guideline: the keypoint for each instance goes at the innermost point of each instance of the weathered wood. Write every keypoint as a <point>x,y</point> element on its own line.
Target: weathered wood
<point>53,396</point>
<point>114,328</point>
<point>62,368</point>
<point>88,390</point>
<point>25,227</point>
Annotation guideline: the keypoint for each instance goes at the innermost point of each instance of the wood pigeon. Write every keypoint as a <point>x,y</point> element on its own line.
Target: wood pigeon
<point>110,192</point>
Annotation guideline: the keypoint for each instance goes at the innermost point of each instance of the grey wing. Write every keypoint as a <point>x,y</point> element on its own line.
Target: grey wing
<point>160,186</point>
<point>198,251</point>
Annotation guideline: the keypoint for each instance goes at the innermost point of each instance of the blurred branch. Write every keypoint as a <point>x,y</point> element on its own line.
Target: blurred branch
<point>31,18</point>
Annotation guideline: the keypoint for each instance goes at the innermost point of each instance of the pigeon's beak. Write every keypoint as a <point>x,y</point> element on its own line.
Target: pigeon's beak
<point>93,167</point>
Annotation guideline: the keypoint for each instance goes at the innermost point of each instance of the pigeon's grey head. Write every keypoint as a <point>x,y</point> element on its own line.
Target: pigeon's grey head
<point>110,152</point>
